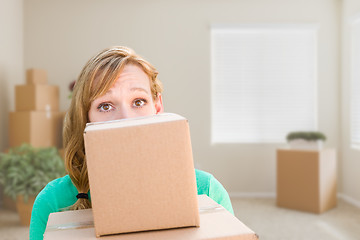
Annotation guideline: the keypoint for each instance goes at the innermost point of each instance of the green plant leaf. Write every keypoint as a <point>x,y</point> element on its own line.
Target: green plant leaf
<point>26,170</point>
<point>309,136</point>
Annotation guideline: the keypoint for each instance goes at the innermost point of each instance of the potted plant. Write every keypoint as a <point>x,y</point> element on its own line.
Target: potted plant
<point>306,140</point>
<point>24,171</point>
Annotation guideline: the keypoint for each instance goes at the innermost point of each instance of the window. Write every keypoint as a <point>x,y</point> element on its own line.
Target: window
<point>264,82</point>
<point>355,85</point>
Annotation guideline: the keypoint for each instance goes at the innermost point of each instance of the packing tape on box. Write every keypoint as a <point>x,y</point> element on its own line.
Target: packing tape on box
<point>210,209</point>
<point>90,224</point>
<point>66,226</point>
<point>48,111</point>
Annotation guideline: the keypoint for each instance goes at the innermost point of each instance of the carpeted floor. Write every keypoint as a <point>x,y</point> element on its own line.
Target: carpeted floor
<point>274,223</point>
<point>10,228</point>
<point>262,216</point>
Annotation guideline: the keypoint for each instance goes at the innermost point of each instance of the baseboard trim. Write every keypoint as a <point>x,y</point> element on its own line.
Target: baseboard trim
<point>349,199</point>
<point>252,194</point>
<point>342,196</point>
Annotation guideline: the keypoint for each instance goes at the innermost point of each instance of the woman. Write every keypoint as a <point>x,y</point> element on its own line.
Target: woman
<point>115,84</point>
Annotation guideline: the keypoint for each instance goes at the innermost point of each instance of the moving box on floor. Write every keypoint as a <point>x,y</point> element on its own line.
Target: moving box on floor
<point>141,174</point>
<point>216,223</point>
<point>306,180</point>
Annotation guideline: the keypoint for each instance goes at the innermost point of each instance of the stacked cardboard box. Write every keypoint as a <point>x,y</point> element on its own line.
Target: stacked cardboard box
<point>143,186</point>
<point>140,168</point>
<point>215,223</point>
<point>36,119</point>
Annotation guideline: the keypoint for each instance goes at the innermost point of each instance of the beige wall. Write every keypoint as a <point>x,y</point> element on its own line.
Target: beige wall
<point>11,60</point>
<point>351,157</point>
<point>60,36</point>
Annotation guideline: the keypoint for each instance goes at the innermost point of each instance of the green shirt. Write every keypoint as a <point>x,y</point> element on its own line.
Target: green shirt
<point>61,193</point>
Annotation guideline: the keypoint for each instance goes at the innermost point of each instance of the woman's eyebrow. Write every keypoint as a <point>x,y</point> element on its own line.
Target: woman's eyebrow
<point>139,89</point>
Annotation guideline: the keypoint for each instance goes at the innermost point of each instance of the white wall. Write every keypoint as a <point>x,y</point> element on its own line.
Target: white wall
<point>11,60</point>
<point>351,157</point>
<point>61,36</point>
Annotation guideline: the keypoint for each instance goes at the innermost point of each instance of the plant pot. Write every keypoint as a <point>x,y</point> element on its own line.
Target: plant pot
<point>302,144</point>
<point>24,209</point>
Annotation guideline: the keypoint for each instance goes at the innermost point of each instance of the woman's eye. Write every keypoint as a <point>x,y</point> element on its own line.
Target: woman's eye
<point>105,107</point>
<point>139,102</point>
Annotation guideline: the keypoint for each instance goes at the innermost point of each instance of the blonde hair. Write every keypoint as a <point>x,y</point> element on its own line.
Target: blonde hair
<point>95,79</point>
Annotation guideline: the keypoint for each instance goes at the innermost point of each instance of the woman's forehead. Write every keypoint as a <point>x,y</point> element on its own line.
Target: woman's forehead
<point>133,70</point>
<point>132,76</point>
<point>131,88</point>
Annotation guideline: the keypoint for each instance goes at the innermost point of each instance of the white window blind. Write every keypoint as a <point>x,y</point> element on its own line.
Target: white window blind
<point>264,82</point>
<point>355,85</point>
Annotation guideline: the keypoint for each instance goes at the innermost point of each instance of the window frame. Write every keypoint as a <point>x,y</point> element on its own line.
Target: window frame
<point>354,76</point>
